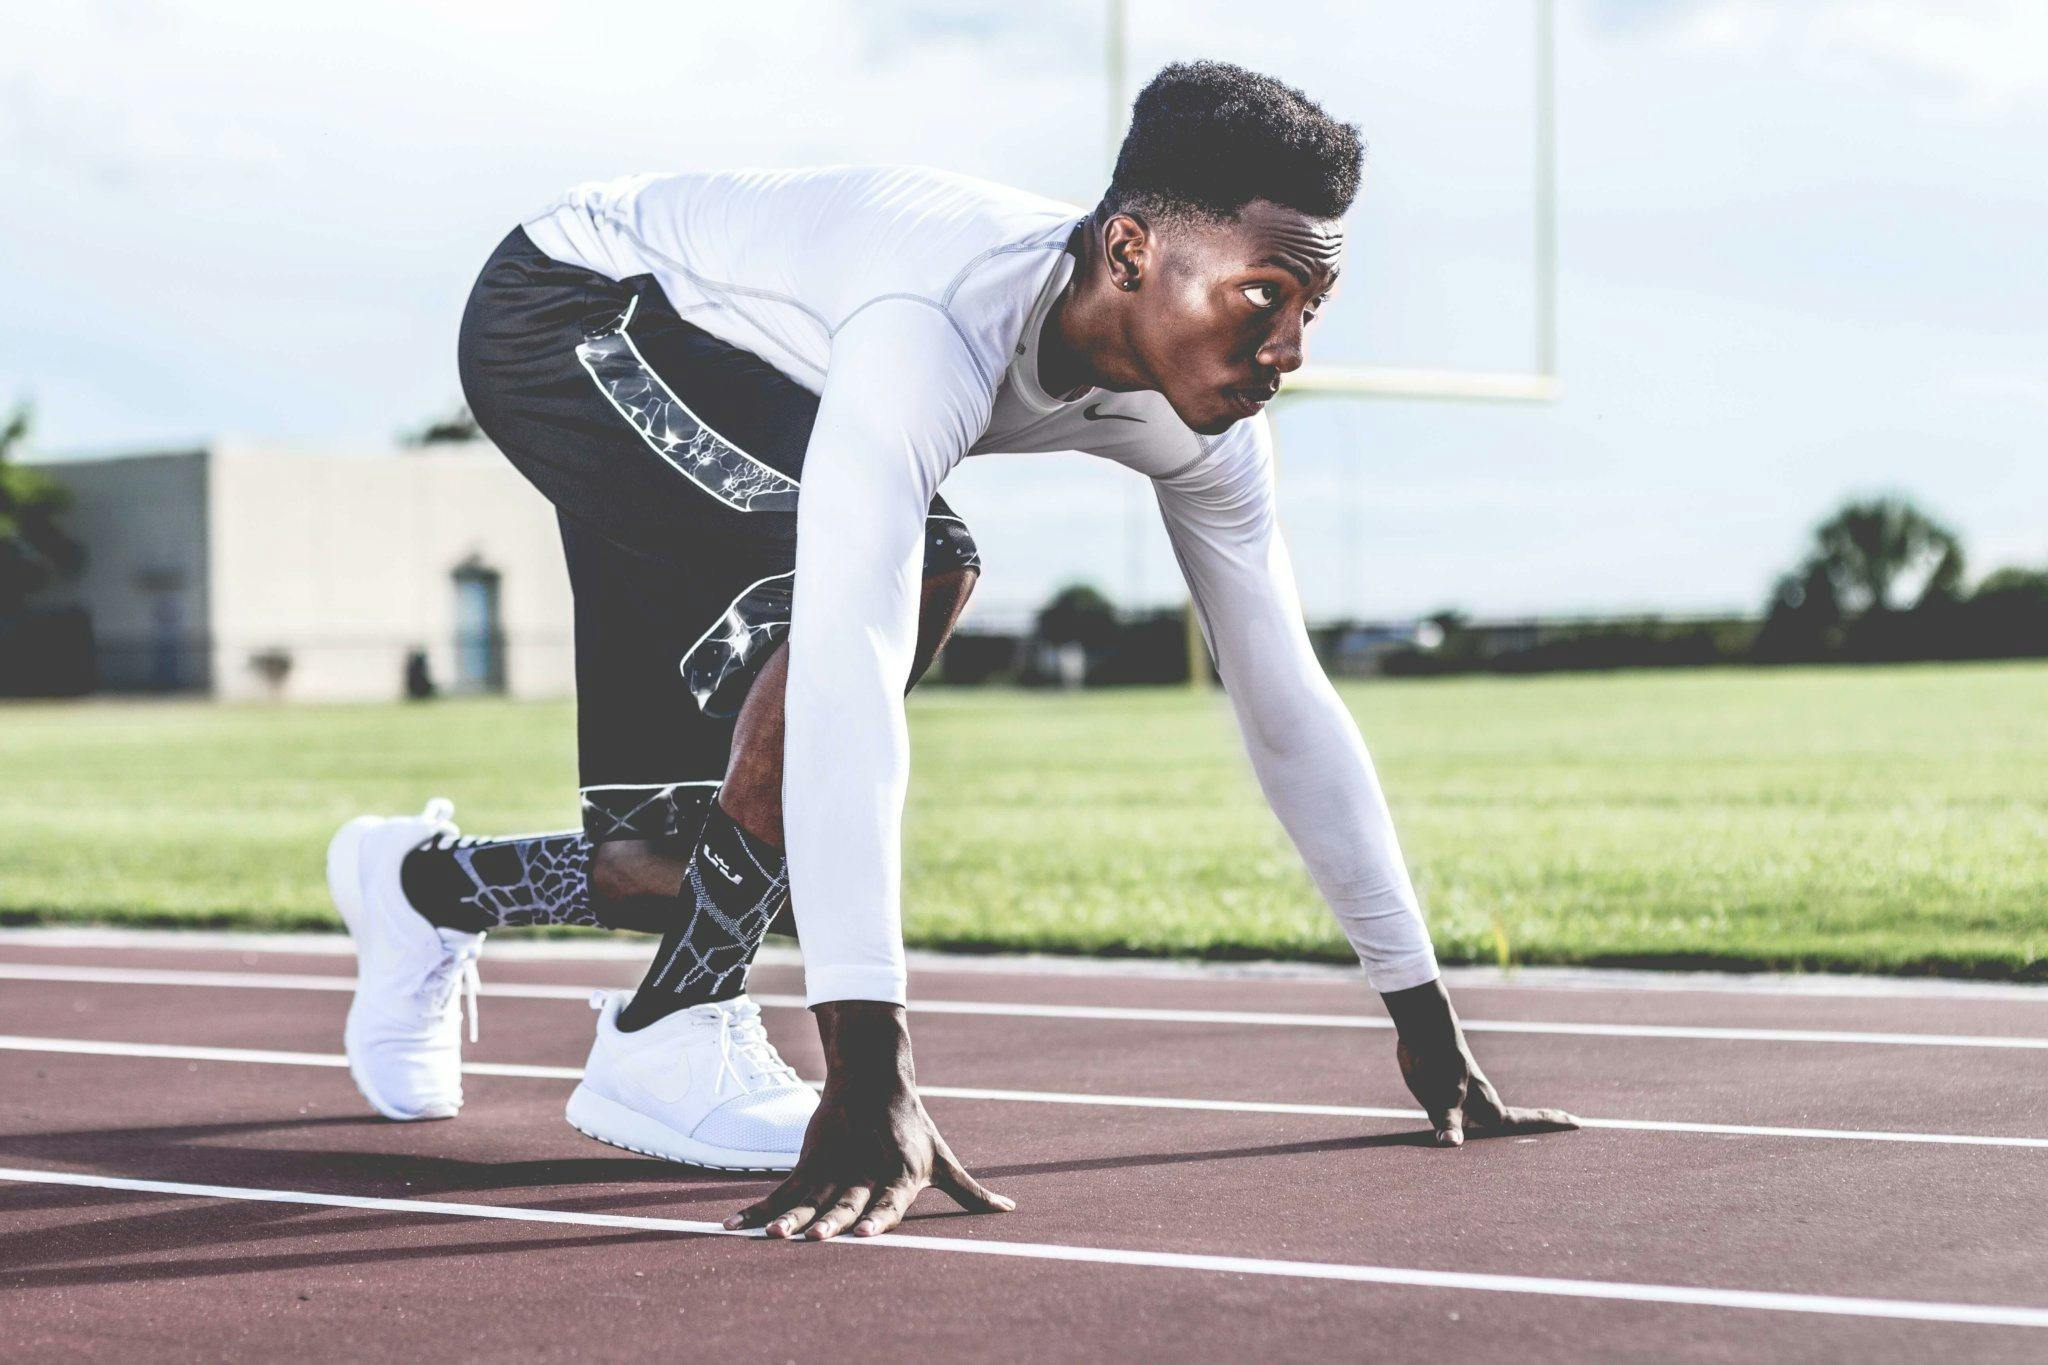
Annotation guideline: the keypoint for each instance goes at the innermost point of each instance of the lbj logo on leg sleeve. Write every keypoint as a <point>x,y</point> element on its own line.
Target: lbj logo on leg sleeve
<point>724,869</point>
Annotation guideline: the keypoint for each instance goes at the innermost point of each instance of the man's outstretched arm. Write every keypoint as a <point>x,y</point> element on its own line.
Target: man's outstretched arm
<point>1313,767</point>
<point>899,409</point>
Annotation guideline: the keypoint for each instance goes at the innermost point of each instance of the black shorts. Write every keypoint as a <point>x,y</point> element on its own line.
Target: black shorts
<point>672,460</point>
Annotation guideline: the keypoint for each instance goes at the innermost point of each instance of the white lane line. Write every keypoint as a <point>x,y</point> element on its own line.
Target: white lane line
<point>175,976</point>
<point>1911,1310</point>
<point>151,976</point>
<point>1362,1111</point>
<point>97,1047</point>
<point>93,1047</point>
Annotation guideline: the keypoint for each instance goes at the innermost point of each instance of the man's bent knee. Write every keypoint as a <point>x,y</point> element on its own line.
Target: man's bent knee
<point>752,791</point>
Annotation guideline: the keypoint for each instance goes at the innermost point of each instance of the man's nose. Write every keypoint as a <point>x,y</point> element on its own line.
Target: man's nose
<point>1283,349</point>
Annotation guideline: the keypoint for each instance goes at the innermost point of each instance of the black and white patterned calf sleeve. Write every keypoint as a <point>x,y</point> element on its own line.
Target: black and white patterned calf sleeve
<point>476,884</point>
<point>735,886</point>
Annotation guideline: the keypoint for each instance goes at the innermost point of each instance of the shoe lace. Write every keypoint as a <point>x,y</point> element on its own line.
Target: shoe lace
<point>455,972</point>
<point>741,1036</point>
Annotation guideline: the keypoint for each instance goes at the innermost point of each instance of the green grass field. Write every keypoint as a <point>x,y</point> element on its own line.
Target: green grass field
<point>1837,819</point>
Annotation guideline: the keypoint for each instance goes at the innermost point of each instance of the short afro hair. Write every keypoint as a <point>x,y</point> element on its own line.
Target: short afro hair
<point>1207,138</point>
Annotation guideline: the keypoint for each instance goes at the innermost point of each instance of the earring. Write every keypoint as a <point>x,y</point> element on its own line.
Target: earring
<point>1131,283</point>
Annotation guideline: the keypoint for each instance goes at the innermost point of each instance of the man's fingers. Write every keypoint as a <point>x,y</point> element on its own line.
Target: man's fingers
<point>1486,1116</point>
<point>835,1219</point>
<point>795,1211</point>
<point>1450,1128</point>
<point>789,1221</point>
<point>1482,1106</point>
<point>889,1206</point>
<point>1535,1121</point>
<point>951,1177</point>
<point>765,1208</point>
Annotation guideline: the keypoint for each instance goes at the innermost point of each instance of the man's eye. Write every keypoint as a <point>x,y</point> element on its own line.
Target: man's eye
<point>1309,315</point>
<point>1262,295</point>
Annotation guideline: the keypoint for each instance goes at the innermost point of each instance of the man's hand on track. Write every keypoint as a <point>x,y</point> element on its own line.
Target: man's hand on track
<point>1443,1075</point>
<point>1459,1099</point>
<point>871,1148</point>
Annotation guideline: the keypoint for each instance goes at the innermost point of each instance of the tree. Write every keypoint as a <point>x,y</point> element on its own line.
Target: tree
<point>1073,631</point>
<point>1883,581</point>
<point>1448,631</point>
<point>1879,554</point>
<point>1078,615</point>
<point>2008,614</point>
<point>1804,619</point>
<point>34,551</point>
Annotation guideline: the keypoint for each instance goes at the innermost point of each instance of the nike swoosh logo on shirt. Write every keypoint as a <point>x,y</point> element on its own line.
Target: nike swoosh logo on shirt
<point>1094,413</point>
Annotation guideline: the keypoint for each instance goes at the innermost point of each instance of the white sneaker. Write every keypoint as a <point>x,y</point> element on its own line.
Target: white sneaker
<point>703,1086</point>
<point>404,1031</point>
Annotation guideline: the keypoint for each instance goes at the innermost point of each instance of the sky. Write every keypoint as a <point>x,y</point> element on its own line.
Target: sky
<point>1800,250</point>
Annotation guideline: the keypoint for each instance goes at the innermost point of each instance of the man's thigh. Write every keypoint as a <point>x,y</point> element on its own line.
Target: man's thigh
<point>675,462</point>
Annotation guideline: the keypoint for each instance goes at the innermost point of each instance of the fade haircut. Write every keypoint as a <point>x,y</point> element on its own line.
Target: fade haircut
<point>1207,138</point>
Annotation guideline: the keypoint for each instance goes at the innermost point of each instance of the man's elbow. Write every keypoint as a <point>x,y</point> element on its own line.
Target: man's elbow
<point>1303,723</point>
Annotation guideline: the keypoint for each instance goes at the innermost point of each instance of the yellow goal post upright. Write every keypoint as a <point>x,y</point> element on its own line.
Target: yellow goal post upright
<point>1537,384</point>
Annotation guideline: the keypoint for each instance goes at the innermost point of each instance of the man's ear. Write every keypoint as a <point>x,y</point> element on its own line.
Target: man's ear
<point>1127,249</point>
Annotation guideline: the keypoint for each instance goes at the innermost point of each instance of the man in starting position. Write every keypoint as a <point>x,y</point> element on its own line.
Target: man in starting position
<point>670,359</point>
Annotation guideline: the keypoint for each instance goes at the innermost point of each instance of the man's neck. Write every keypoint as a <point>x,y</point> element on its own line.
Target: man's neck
<point>1079,332</point>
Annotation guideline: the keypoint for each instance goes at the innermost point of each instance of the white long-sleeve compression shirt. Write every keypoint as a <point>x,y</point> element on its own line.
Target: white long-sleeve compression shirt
<point>911,301</point>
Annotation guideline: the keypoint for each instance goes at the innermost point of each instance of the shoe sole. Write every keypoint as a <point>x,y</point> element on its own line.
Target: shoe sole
<point>613,1124</point>
<point>345,888</point>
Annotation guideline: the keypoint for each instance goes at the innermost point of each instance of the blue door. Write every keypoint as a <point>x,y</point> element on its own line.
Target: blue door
<point>479,636</point>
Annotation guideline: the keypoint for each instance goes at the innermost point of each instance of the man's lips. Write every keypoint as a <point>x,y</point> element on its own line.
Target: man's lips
<point>1247,402</point>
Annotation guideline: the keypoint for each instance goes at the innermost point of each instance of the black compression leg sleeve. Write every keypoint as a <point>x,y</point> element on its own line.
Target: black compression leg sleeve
<point>735,885</point>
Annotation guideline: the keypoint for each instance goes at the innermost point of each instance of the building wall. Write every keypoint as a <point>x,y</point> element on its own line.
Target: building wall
<point>341,565</point>
<point>142,520</point>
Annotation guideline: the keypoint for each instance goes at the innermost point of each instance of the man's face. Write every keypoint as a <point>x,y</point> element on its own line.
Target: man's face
<point>1221,309</point>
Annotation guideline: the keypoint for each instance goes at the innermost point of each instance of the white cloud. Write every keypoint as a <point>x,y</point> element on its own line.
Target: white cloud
<point>1969,58</point>
<point>2011,386</point>
<point>1986,57</point>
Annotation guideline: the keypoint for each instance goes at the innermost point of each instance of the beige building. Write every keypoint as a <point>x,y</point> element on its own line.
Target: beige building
<point>248,570</point>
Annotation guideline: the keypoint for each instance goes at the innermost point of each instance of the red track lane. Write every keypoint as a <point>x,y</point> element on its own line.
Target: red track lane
<point>107,1274</point>
<point>1790,1084</point>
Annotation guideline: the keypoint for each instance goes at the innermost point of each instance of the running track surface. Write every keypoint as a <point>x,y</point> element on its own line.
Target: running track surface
<point>187,1173</point>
